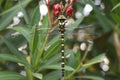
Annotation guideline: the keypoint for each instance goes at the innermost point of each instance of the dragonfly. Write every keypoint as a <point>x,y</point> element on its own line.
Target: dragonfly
<point>82,33</point>
<point>79,34</point>
<point>76,34</point>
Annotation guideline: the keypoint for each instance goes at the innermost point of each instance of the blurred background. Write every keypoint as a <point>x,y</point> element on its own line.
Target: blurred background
<point>98,26</point>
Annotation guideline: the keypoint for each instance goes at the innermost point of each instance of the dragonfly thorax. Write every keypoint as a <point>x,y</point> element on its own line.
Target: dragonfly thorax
<point>61,19</point>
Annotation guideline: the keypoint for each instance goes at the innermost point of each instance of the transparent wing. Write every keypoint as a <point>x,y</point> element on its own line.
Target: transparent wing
<point>81,29</point>
<point>80,33</point>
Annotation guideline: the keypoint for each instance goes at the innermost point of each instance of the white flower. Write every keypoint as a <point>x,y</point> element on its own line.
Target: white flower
<point>43,9</point>
<point>104,64</point>
<point>15,34</point>
<point>104,67</point>
<point>75,48</point>
<point>23,73</point>
<point>40,23</point>
<point>106,60</point>
<point>20,14</point>
<point>87,9</point>
<point>68,55</point>
<point>69,22</point>
<point>22,47</point>
<point>78,15</point>
<point>102,6</point>
<point>16,20</point>
<point>83,46</point>
<point>97,2</point>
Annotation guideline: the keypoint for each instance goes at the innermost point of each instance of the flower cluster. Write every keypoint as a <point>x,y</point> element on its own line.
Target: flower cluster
<point>57,9</point>
<point>16,19</point>
<point>60,9</point>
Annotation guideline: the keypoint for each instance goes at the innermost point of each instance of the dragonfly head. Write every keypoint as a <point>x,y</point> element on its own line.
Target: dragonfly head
<point>61,18</point>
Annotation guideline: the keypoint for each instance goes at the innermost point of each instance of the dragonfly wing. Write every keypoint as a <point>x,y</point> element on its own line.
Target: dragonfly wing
<point>84,31</point>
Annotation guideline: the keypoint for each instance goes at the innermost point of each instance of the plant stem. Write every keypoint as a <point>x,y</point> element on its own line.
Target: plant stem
<point>79,66</point>
<point>69,76</point>
<point>85,55</point>
<point>29,74</point>
<point>40,51</point>
<point>49,18</point>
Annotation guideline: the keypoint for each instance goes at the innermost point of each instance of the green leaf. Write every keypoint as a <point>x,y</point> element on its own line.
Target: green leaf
<point>43,32</point>
<point>57,66</point>
<point>93,61</point>
<point>53,40</point>
<point>77,58</point>
<point>0,2</point>
<point>26,17</point>
<point>116,6</point>
<point>105,22</point>
<point>55,59</point>
<point>7,4</point>
<point>35,16</point>
<point>34,42</point>
<point>11,13</point>
<point>43,38</point>
<point>5,75</point>
<point>34,37</point>
<point>24,31</point>
<point>116,18</point>
<point>14,59</point>
<point>37,75</point>
<point>13,49</point>
<point>91,77</point>
<point>52,49</point>
<point>17,6</point>
<point>4,21</point>
<point>71,59</point>
<point>45,22</point>
<point>55,75</point>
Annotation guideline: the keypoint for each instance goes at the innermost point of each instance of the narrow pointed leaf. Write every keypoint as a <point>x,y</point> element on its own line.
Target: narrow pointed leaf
<point>93,61</point>
<point>57,66</point>
<point>24,31</point>
<point>38,75</point>
<point>5,75</point>
<point>10,13</point>
<point>55,75</point>
<point>35,17</point>
<point>13,49</point>
<point>91,77</point>
<point>116,6</point>
<point>14,59</point>
<point>52,49</point>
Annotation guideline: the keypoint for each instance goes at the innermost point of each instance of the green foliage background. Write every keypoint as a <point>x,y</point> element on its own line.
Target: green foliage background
<point>44,65</point>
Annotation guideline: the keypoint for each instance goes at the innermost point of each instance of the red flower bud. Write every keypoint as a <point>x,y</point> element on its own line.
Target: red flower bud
<point>57,9</point>
<point>56,13</point>
<point>69,11</point>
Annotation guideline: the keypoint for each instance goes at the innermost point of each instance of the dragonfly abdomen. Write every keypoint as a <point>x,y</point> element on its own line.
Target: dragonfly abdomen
<point>62,19</point>
<point>62,54</point>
